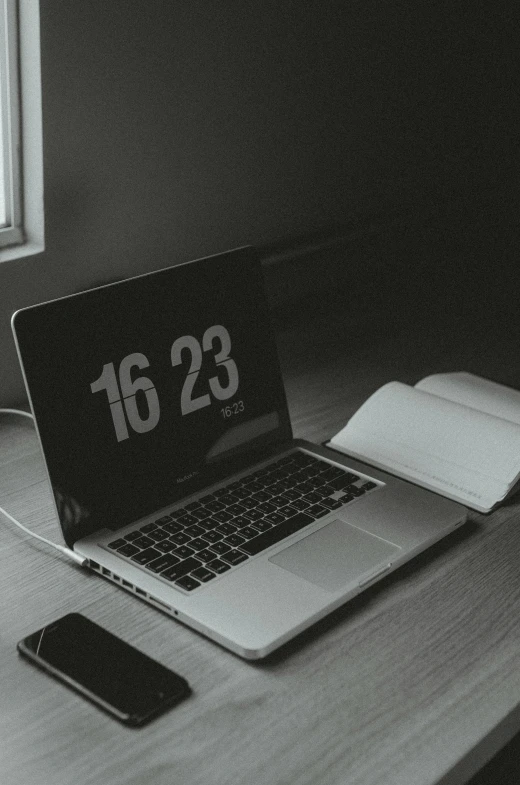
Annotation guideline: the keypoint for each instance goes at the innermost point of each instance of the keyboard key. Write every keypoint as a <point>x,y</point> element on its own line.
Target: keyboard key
<point>187,583</point>
<point>200,514</point>
<point>193,506</point>
<point>266,508</point>
<point>160,564</point>
<point>283,485</point>
<point>194,531</point>
<point>236,509</point>
<point>215,506</point>
<point>262,496</point>
<point>209,523</point>
<point>240,522</point>
<point>181,538</point>
<point>220,492</point>
<point>325,490</point>
<point>253,515</point>
<point>278,533</point>
<point>132,536</point>
<point>173,528</point>
<point>165,546</point>
<point>128,549</point>
<point>163,520</point>
<point>198,544</point>
<point>274,518</point>
<point>291,494</point>
<point>115,544</point>
<point>218,566</point>
<point>212,536</point>
<point>332,504</point>
<point>226,528</point>
<point>158,534</point>
<point>300,504</point>
<point>254,487</point>
<point>143,542</point>
<point>368,486</point>
<point>280,501</point>
<point>202,574</point>
<point>354,490</point>
<point>317,511</point>
<point>183,552</point>
<point>248,532</point>
<point>242,493</point>
<point>228,499</point>
<point>219,548</point>
<point>206,555</point>
<point>187,520</point>
<point>341,482</point>
<point>304,487</point>
<point>312,498</point>
<point>234,540</point>
<point>333,472</point>
<point>148,527</point>
<point>178,570</point>
<point>223,517</point>
<point>261,526</point>
<point>234,557</point>
<point>145,556</point>
<point>249,503</point>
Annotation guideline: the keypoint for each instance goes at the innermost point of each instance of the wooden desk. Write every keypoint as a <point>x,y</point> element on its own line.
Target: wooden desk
<point>415,682</point>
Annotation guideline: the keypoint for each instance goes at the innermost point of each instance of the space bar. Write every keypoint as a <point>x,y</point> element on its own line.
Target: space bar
<point>279,532</point>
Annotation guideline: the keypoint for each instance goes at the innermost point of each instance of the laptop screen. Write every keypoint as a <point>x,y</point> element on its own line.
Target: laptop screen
<point>147,390</point>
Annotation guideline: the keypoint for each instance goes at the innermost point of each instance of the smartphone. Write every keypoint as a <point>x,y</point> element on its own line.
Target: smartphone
<point>118,678</point>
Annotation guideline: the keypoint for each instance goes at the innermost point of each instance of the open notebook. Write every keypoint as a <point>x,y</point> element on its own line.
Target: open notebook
<point>454,433</point>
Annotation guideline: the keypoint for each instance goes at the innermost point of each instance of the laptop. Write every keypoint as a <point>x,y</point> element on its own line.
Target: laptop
<point>161,412</point>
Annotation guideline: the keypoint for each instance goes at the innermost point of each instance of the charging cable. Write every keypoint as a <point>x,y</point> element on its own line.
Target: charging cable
<point>81,560</point>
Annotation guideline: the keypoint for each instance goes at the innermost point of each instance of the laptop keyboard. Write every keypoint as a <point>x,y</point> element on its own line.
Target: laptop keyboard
<point>192,545</point>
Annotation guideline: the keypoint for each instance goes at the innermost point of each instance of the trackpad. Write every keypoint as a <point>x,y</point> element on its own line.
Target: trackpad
<point>336,555</point>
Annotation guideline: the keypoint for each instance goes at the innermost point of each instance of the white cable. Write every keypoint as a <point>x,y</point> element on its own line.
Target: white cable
<point>17,411</point>
<point>81,560</point>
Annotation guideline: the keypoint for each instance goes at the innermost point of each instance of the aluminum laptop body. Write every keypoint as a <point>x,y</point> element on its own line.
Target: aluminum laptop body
<point>162,417</point>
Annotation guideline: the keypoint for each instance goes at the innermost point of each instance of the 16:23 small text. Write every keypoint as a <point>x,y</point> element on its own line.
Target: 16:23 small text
<point>232,409</point>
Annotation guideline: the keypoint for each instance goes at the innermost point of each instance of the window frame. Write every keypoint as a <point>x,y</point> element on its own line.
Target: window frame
<point>11,232</point>
<point>25,235</point>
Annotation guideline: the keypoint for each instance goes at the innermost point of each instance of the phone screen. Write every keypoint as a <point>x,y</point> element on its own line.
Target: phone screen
<point>120,679</point>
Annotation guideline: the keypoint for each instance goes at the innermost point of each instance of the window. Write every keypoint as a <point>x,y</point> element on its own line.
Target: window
<point>21,179</point>
<point>10,214</point>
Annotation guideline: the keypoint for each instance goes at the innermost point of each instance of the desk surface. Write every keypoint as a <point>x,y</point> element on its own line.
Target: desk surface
<point>417,681</point>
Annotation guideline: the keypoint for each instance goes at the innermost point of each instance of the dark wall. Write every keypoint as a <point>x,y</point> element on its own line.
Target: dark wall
<point>178,129</point>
